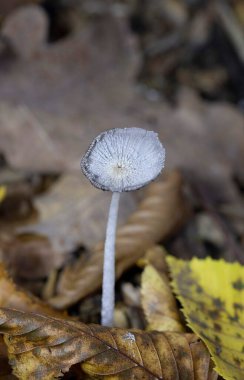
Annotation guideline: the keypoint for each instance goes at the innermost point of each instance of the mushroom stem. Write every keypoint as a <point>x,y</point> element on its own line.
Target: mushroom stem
<point>108,290</point>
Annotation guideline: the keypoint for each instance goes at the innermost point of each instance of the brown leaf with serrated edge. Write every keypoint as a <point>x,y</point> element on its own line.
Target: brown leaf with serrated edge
<point>160,213</point>
<point>43,348</point>
<point>158,302</point>
<point>13,297</point>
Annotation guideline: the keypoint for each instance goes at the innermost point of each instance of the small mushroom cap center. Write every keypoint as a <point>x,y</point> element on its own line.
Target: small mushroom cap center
<point>118,169</point>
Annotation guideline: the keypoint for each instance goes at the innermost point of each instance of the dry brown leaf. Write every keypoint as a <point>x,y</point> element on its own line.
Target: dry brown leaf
<point>29,256</point>
<point>73,213</point>
<point>43,347</point>
<point>158,302</point>
<point>70,214</point>
<point>12,297</point>
<point>159,214</point>
<point>27,29</point>
<point>38,151</point>
<point>57,105</point>
<point>64,99</point>
<point>6,6</point>
<point>155,256</point>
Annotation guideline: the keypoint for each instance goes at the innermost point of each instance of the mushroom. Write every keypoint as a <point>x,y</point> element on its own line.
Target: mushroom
<point>120,160</point>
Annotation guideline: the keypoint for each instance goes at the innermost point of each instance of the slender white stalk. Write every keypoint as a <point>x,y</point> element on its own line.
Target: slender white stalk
<point>108,294</point>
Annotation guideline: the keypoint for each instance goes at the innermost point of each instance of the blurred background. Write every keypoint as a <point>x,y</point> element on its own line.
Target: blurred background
<point>70,69</point>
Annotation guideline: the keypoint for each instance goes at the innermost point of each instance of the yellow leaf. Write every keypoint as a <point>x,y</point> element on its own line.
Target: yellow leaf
<point>3,192</point>
<point>158,302</point>
<point>212,295</point>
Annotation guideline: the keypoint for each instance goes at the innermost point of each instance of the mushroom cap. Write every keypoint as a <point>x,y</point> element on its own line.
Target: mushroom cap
<point>123,159</point>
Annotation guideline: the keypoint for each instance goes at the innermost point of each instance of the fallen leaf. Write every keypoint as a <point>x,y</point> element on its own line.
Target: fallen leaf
<point>45,347</point>
<point>161,212</point>
<point>158,302</point>
<point>7,6</point>
<point>30,256</point>
<point>155,256</point>
<point>13,297</point>
<point>212,295</point>
<point>16,206</point>
<point>3,192</point>
<point>21,188</point>
<point>26,28</point>
<point>38,151</point>
<point>72,213</point>
<point>63,107</point>
<point>64,75</point>
<point>41,229</point>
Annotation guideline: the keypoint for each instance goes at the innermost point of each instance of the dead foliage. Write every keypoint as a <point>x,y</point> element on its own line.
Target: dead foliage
<point>47,347</point>
<point>154,220</point>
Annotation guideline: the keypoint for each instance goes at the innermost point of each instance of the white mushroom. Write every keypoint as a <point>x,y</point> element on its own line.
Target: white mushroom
<point>120,160</point>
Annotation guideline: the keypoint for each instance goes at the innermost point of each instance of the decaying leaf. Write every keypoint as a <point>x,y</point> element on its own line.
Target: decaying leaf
<point>73,212</point>
<point>70,214</point>
<point>12,297</point>
<point>159,214</point>
<point>34,140</point>
<point>67,77</point>
<point>212,295</point>
<point>36,111</point>
<point>43,348</point>
<point>155,256</point>
<point>158,302</point>
<point>7,6</point>
<point>26,28</point>
<point>30,256</point>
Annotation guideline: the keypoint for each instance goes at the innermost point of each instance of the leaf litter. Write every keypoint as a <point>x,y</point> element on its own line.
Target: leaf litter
<point>103,352</point>
<point>62,85</point>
